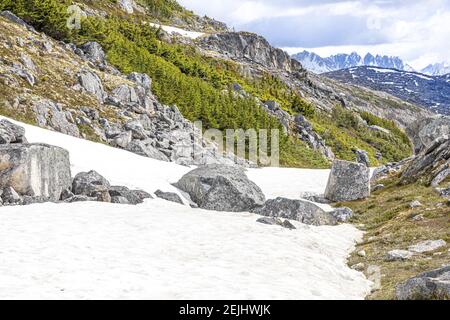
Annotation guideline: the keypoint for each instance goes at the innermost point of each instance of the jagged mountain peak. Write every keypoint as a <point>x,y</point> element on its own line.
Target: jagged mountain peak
<point>318,64</point>
<point>437,69</point>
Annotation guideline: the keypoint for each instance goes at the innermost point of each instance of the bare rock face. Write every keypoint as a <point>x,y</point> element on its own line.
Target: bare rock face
<point>251,47</point>
<point>299,210</point>
<point>424,132</point>
<point>432,164</point>
<point>35,170</point>
<point>426,286</point>
<point>348,181</point>
<point>221,188</point>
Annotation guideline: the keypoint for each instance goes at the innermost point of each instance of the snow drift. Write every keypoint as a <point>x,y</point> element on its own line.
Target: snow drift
<point>162,250</point>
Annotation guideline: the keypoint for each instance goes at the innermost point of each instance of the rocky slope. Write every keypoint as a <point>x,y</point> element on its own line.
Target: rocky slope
<point>317,64</point>
<point>256,57</point>
<point>75,91</point>
<point>431,92</point>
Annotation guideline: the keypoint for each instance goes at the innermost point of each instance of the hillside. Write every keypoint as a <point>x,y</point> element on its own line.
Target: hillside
<point>189,74</point>
<point>431,92</point>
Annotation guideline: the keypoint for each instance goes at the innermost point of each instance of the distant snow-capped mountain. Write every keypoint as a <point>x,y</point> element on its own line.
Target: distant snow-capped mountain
<point>437,69</point>
<point>317,64</point>
<point>431,92</point>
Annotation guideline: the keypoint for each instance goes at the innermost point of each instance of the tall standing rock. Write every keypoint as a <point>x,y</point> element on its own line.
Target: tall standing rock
<point>348,181</point>
<point>35,170</point>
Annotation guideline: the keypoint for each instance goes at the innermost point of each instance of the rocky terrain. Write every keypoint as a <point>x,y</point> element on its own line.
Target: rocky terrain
<point>144,150</point>
<point>317,64</point>
<point>431,92</point>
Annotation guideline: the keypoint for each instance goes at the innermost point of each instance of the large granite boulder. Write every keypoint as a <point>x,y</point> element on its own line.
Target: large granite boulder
<point>89,184</point>
<point>11,133</point>
<point>426,286</point>
<point>221,188</point>
<point>35,170</point>
<point>299,210</point>
<point>348,181</point>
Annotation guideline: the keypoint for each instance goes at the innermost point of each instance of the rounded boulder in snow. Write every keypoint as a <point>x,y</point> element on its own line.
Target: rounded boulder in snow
<point>221,188</point>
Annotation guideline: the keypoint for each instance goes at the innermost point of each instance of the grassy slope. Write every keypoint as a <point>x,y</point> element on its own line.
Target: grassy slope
<point>387,219</point>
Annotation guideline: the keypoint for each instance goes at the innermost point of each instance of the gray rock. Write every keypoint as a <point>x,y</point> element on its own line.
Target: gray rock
<point>89,184</point>
<point>94,52</point>
<point>429,164</point>
<point>35,170</point>
<point>169,196</point>
<point>10,196</point>
<point>50,114</point>
<point>314,197</point>
<point>11,133</point>
<point>342,214</point>
<point>378,187</point>
<point>440,177</point>
<point>379,129</point>
<point>276,222</point>
<point>122,140</point>
<point>25,74</point>
<point>126,5</point>
<point>141,79</point>
<point>348,181</point>
<point>91,82</point>
<point>298,210</point>
<point>79,198</point>
<point>118,194</point>
<point>362,156</point>
<point>415,204</point>
<point>123,95</point>
<point>427,246</point>
<point>424,132</point>
<point>137,130</point>
<point>146,149</point>
<point>12,17</point>
<point>66,194</point>
<point>426,286</point>
<point>398,255</point>
<point>221,188</point>
<point>120,200</point>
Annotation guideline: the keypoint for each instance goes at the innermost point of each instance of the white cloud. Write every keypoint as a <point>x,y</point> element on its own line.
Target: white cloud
<point>416,30</point>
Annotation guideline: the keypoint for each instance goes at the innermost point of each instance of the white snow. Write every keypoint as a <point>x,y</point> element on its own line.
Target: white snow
<point>175,30</point>
<point>162,250</point>
<point>383,70</point>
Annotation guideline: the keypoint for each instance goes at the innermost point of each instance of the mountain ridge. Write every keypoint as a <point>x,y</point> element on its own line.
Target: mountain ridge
<point>431,92</point>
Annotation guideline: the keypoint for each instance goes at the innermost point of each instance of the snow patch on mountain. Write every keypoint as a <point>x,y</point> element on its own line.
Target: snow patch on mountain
<point>162,250</point>
<point>317,64</point>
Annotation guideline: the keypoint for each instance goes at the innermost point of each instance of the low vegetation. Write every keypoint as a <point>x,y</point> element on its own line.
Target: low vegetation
<point>390,223</point>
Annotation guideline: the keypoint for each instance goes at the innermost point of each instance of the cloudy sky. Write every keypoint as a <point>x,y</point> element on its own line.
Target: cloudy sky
<point>416,30</point>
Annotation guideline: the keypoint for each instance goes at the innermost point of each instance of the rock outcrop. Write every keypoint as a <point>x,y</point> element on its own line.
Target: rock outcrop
<point>221,188</point>
<point>431,166</point>
<point>348,181</point>
<point>430,285</point>
<point>424,132</point>
<point>299,210</point>
<point>250,47</point>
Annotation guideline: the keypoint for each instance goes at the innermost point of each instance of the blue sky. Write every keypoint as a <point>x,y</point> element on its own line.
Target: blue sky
<point>416,30</point>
